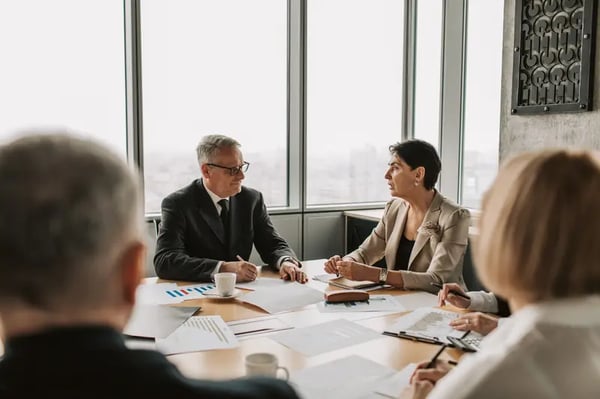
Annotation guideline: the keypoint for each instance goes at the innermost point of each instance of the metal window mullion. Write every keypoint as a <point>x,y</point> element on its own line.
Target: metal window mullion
<point>451,142</point>
<point>410,42</point>
<point>296,102</point>
<point>133,84</point>
<point>296,109</point>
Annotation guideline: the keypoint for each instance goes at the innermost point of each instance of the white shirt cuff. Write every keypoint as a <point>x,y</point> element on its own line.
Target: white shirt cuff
<point>482,301</point>
<point>216,270</point>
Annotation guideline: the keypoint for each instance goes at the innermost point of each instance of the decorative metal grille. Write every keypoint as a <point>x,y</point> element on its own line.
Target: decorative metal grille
<point>553,56</point>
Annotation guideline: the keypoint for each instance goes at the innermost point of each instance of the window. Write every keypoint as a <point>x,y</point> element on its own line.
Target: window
<point>428,63</point>
<point>482,98</point>
<point>63,66</point>
<point>211,67</point>
<point>354,97</point>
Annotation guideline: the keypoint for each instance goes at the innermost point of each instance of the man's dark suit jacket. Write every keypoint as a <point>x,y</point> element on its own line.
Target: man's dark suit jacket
<point>93,362</point>
<point>191,240</point>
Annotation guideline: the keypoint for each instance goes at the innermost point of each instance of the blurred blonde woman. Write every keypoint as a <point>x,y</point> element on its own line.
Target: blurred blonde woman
<point>538,247</point>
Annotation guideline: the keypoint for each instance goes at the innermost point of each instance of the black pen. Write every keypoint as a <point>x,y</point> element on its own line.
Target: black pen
<point>453,292</point>
<point>431,364</point>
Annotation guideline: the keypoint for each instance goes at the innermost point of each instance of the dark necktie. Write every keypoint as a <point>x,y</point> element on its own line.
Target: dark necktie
<point>225,217</point>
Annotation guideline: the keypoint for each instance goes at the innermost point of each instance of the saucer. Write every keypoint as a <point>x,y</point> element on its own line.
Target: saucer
<point>212,293</point>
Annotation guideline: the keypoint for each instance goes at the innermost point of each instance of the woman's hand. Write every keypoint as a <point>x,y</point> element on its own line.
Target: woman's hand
<point>422,373</point>
<point>423,379</point>
<point>330,264</point>
<point>355,271</point>
<point>444,295</point>
<point>477,321</point>
<point>417,390</point>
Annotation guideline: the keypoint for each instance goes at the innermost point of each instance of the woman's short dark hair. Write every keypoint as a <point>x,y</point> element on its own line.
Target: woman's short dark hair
<point>420,153</point>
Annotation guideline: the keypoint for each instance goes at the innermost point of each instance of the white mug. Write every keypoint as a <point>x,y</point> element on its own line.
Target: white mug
<point>225,283</point>
<point>264,364</point>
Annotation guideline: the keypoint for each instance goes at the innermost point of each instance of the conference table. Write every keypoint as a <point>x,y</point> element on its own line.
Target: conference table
<point>389,351</point>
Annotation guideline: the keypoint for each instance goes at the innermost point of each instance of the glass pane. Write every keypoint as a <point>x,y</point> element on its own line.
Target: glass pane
<point>354,97</point>
<point>214,66</point>
<point>63,66</point>
<point>482,98</point>
<point>428,70</point>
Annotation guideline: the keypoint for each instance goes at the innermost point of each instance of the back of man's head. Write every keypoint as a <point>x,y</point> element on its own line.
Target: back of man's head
<point>69,209</point>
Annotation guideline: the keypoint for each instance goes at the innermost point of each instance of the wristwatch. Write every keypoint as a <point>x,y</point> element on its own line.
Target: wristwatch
<point>383,275</point>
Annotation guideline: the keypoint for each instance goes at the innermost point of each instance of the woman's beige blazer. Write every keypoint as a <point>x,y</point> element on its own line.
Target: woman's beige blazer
<point>439,248</point>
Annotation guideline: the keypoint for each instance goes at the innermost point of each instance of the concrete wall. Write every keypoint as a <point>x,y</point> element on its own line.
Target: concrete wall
<point>522,133</point>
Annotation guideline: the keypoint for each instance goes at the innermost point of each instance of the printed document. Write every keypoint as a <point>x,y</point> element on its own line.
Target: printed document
<point>284,297</point>
<point>262,282</point>
<point>352,377</point>
<point>428,323</point>
<point>198,333</point>
<point>156,321</point>
<point>166,293</point>
<point>325,337</point>
<point>415,300</point>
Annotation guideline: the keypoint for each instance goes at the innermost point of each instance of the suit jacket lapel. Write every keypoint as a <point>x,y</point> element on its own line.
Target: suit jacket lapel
<point>432,217</point>
<point>394,238</point>
<point>208,212</point>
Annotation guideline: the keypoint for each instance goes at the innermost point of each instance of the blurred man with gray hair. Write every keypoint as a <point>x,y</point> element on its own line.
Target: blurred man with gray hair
<point>71,257</point>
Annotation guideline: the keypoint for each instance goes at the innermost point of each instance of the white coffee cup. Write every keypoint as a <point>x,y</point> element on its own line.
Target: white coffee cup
<point>264,364</point>
<point>225,283</point>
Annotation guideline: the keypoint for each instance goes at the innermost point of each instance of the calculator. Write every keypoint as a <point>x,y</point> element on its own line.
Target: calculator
<point>467,344</point>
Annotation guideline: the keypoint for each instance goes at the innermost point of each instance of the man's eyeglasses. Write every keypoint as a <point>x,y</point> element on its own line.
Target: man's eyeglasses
<point>232,170</point>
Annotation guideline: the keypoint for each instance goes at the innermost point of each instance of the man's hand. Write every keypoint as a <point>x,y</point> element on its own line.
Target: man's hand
<point>289,271</point>
<point>245,271</point>
<point>477,321</point>
<point>444,295</point>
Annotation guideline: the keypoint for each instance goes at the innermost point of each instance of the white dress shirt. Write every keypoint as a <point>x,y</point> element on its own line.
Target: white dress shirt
<point>547,350</point>
<point>215,199</point>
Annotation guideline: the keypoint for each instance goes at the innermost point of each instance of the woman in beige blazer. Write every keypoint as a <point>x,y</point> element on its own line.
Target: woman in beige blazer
<point>422,235</point>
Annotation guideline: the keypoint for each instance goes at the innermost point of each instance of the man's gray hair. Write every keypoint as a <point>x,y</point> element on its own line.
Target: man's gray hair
<point>68,209</point>
<point>209,145</point>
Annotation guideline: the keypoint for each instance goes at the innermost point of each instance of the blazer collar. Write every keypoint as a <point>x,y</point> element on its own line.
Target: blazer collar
<point>431,218</point>
<point>208,211</point>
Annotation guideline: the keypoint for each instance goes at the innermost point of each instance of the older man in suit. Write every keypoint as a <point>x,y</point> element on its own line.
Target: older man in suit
<point>210,225</point>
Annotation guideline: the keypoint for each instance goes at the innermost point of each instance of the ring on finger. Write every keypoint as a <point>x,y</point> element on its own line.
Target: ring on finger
<point>468,321</point>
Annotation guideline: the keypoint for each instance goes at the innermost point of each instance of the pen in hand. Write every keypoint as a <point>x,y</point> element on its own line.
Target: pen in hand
<point>431,363</point>
<point>240,258</point>
<point>453,292</point>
